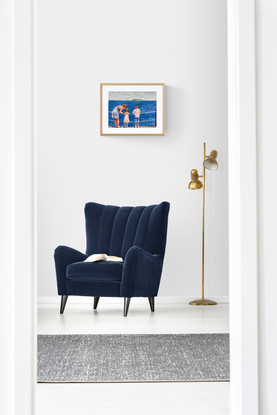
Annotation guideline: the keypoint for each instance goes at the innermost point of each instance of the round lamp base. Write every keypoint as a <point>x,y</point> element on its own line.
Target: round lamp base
<point>203,301</point>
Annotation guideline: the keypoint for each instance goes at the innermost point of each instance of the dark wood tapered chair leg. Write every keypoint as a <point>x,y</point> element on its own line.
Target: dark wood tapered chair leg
<point>63,303</point>
<point>152,303</point>
<point>126,305</point>
<point>95,303</point>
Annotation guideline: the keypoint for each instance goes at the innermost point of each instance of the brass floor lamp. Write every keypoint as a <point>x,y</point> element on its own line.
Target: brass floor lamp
<point>210,163</point>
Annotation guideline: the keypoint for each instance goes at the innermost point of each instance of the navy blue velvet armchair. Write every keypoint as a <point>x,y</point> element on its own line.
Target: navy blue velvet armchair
<point>137,234</point>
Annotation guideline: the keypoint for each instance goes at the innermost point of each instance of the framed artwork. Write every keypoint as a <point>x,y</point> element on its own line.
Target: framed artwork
<point>132,109</point>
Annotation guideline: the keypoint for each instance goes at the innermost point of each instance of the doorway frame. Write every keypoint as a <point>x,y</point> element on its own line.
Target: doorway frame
<point>242,164</point>
<point>19,206</point>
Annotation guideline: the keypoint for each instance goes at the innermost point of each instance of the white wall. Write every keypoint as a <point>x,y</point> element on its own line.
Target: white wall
<point>7,305</point>
<point>180,42</point>
<point>18,367</point>
<point>266,35</point>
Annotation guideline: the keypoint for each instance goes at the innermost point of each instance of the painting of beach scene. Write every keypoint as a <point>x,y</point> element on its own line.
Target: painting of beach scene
<point>132,109</point>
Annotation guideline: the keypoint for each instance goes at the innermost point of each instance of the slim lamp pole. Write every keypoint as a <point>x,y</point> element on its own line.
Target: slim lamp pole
<point>203,224</point>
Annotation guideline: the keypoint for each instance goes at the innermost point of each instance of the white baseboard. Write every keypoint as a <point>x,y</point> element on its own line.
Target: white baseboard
<point>88,300</point>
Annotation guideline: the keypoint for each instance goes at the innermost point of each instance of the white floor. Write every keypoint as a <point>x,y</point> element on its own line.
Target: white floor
<point>171,316</point>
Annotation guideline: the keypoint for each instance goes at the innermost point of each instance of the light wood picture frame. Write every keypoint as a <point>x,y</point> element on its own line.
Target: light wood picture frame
<point>132,109</point>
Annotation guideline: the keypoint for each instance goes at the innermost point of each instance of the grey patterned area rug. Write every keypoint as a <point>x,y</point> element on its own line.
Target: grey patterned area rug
<point>133,358</point>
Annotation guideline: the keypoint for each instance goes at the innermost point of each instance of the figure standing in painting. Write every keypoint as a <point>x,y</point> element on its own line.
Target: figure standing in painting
<point>115,114</point>
<point>137,113</point>
<point>126,118</point>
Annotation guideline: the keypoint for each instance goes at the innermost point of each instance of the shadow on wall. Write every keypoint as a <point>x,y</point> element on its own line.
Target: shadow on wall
<point>174,111</point>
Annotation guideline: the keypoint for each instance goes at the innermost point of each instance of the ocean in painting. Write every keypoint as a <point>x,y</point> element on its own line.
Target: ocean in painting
<point>147,116</point>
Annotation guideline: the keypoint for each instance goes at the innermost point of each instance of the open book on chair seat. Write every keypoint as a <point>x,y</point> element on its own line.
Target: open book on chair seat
<point>103,257</point>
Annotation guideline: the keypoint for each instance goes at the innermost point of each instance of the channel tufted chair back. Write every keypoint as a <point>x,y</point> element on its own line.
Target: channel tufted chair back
<point>114,230</point>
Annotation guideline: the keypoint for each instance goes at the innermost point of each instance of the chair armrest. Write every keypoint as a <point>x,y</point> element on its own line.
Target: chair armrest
<point>64,256</point>
<point>141,273</point>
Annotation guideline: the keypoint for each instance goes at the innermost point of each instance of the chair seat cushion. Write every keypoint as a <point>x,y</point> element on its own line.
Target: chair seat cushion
<point>101,271</point>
